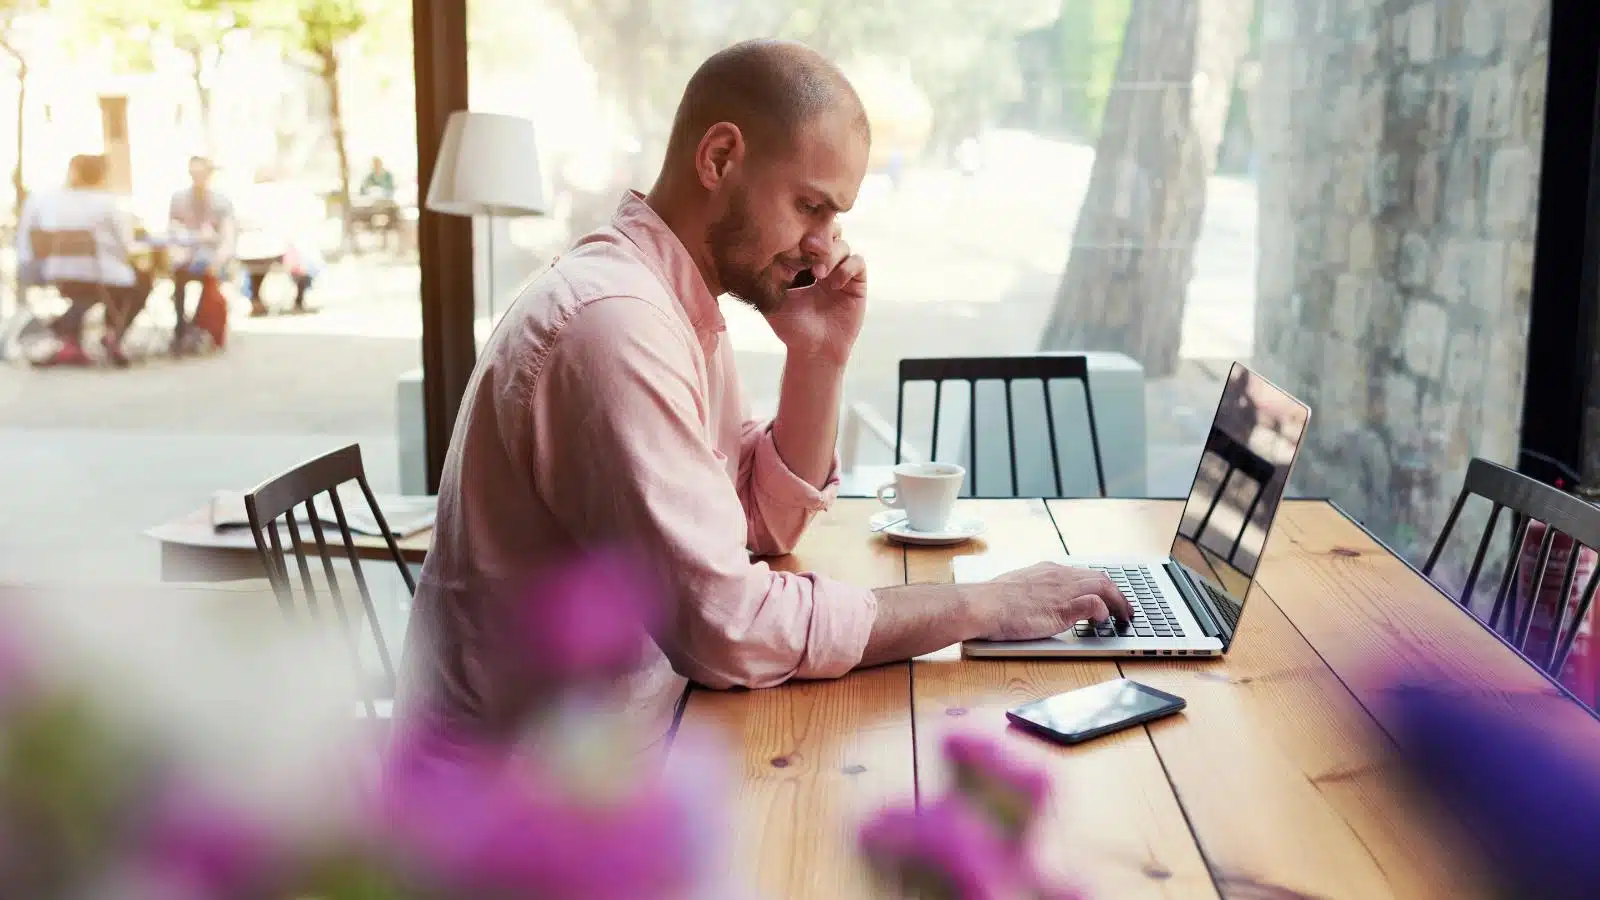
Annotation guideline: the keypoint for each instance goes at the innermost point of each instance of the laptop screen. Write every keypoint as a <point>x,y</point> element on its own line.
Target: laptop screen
<point>1237,489</point>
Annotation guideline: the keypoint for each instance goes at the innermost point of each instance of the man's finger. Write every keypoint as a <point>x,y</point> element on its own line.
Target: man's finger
<point>1117,604</point>
<point>852,268</point>
<point>1088,607</point>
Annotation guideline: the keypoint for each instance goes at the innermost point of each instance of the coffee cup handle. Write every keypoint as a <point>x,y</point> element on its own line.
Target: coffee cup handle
<point>888,496</point>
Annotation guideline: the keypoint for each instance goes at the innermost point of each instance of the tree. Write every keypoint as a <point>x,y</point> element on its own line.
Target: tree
<point>13,15</point>
<point>200,29</point>
<point>319,32</point>
<point>1133,249</point>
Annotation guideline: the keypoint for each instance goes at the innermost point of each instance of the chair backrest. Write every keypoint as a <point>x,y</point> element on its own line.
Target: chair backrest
<point>1529,501</point>
<point>1008,370</point>
<point>299,487</point>
<point>66,242</point>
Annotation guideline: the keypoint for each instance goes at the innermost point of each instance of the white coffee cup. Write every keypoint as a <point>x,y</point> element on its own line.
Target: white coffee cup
<point>926,491</point>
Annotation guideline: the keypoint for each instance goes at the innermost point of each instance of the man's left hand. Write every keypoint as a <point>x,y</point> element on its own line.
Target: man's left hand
<point>821,321</point>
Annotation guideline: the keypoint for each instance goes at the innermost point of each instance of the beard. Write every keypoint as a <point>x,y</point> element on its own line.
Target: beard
<point>735,237</point>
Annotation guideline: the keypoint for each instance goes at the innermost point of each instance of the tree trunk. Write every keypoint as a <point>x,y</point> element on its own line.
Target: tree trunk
<point>330,80</point>
<point>203,95</point>
<point>1133,249</point>
<point>21,196</point>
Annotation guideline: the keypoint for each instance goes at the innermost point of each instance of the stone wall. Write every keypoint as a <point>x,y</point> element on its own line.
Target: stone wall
<point>1400,144</point>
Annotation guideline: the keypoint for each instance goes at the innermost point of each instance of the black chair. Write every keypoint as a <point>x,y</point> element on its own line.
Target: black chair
<point>300,486</point>
<point>1529,501</point>
<point>1007,369</point>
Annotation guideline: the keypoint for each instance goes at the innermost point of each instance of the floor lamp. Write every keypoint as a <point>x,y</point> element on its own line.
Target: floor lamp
<point>488,165</point>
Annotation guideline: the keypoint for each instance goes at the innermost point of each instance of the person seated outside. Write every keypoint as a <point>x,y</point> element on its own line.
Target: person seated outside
<point>202,230</point>
<point>106,276</point>
<point>271,234</point>
<point>378,185</point>
<point>605,413</point>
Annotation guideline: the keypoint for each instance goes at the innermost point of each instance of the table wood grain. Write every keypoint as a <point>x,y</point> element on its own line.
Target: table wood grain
<point>1275,782</point>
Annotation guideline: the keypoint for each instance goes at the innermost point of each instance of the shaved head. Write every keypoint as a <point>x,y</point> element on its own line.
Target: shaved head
<point>769,144</point>
<point>769,89</point>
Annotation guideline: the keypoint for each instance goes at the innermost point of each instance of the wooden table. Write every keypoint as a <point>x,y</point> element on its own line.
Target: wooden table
<point>1273,784</point>
<point>192,550</point>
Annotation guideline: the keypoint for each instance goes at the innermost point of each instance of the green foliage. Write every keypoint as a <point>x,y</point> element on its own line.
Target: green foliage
<point>1089,35</point>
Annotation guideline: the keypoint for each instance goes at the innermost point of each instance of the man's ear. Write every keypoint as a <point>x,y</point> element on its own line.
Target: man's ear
<point>720,149</point>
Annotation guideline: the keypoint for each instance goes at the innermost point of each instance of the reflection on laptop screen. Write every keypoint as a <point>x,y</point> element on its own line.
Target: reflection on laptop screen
<point>1238,486</point>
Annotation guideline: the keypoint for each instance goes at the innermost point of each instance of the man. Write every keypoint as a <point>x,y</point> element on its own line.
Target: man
<point>379,182</point>
<point>79,240</point>
<point>605,410</point>
<point>202,227</point>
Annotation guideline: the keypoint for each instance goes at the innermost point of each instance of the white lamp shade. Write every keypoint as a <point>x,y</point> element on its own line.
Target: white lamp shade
<point>488,165</point>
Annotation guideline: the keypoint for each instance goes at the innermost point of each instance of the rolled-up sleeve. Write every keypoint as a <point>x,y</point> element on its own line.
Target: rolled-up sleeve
<point>622,457</point>
<point>778,503</point>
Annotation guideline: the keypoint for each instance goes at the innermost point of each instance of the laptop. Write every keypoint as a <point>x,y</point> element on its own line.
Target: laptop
<point>1190,603</point>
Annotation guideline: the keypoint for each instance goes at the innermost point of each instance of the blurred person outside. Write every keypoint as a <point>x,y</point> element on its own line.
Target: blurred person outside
<point>107,277</point>
<point>375,204</point>
<point>202,230</point>
<point>277,228</point>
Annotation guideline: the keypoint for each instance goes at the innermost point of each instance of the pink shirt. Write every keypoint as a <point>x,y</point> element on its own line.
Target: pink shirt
<point>606,408</point>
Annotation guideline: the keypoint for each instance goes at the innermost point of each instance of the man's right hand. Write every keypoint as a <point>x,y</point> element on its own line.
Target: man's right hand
<point>1046,599</point>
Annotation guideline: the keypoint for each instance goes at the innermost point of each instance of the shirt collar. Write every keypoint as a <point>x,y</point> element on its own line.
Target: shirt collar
<point>639,223</point>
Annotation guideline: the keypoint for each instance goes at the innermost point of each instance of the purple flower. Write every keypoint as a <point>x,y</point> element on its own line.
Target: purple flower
<point>1010,794</point>
<point>585,619</point>
<point>946,851</point>
<point>1526,796</point>
<point>201,849</point>
<point>477,822</point>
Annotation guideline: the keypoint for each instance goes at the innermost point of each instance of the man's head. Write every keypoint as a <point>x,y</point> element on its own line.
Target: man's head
<point>769,144</point>
<point>199,171</point>
<point>377,165</point>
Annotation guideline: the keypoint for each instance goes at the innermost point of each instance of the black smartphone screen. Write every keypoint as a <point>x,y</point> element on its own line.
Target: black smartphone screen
<point>1092,711</point>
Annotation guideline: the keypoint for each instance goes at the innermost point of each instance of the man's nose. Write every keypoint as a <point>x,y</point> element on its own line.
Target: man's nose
<point>818,243</point>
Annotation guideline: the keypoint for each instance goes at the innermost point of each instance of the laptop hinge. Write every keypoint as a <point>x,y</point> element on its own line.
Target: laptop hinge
<point>1195,599</point>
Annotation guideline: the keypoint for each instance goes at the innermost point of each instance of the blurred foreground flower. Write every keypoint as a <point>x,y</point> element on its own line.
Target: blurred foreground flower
<point>972,843</point>
<point>1528,797</point>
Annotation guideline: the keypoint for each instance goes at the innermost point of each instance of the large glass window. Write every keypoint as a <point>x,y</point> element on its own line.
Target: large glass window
<point>292,102</point>
<point>1341,195</point>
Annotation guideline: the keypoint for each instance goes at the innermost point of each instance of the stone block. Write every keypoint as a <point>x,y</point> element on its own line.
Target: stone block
<point>1401,401</point>
<point>1422,32</point>
<point>1383,185</point>
<point>1425,188</point>
<point>1457,264</point>
<point>1344,383</point>
<point>1465,363</point>
<point>1511,187</point>
<point>1494,94</point>
<point>1362,257</point>
<point>1518,275</point>
<point>1488,280</point>
<point>1415,262</point>
<point>1423,337</point>
<point>1480,26</point>
<point>1351,301</point>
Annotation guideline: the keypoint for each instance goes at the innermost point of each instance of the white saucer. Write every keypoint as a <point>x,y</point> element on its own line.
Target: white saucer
<point>956,531</point>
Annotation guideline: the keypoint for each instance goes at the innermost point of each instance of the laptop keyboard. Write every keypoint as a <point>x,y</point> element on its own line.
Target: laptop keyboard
<point>1151,616</point>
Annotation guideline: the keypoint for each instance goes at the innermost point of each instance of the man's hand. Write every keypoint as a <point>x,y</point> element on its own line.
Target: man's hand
<point>822,321</point>
<point>1047,599</point>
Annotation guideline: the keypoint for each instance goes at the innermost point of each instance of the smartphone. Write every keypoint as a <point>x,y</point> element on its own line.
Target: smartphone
<point>1078,716</point>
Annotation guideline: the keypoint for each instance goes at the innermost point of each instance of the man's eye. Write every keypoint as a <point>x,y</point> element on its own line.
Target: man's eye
<point>811,209</point>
